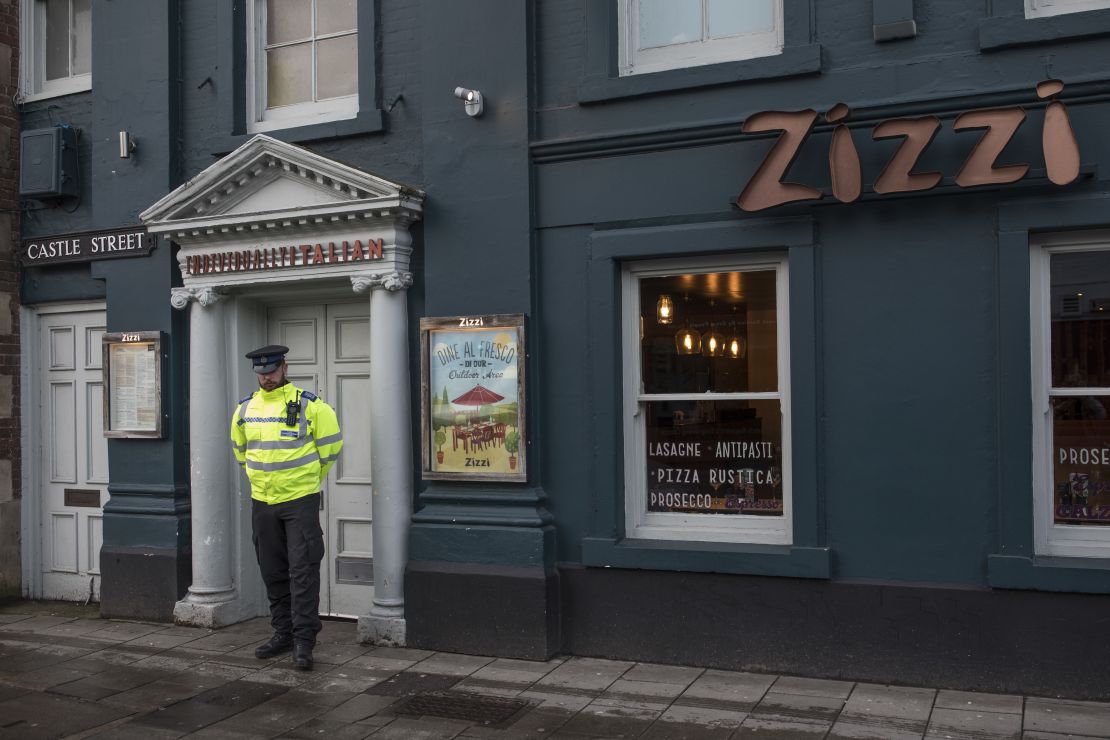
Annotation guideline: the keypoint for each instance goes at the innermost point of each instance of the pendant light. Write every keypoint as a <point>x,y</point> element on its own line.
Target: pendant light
<point>688,341</point>
<point>664,309</point>
<point>713,343</point>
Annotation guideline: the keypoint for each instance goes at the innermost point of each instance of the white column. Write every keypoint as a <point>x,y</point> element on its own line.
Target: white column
<point>212,595</point>
<point>390,453</point>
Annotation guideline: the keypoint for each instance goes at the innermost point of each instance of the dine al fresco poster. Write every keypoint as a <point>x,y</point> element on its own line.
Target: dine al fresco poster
<point>473,398</point>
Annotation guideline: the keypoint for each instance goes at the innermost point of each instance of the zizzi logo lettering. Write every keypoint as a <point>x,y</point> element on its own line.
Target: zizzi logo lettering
<point>767,188</point>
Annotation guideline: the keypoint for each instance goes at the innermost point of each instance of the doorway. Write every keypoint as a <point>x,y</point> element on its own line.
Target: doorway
<point>329,355</point>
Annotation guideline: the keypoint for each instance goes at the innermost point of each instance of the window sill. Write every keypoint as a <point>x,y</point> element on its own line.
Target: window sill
<point>366,122</point>
<point>708,557</point>
<point>792,62</point>
<point>1008,31</point>
<point>58,89</point>
<point>1049,573</point>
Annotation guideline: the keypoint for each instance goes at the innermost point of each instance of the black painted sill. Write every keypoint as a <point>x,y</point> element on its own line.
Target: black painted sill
<point>1049,573</point>
<point>707,557</point>
<point>1004,32</point>
<point>792,62</point>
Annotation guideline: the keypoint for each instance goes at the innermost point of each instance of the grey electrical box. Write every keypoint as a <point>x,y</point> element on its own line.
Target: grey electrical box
<point>48,162</point>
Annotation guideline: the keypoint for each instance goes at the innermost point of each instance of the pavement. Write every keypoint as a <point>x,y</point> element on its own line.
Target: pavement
<point>70,676</point>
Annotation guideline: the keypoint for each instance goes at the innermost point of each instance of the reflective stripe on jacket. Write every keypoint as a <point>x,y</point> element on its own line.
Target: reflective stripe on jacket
<point>285,462</point>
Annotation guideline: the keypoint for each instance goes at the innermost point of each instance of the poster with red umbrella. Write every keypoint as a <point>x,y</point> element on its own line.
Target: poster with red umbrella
<point>472,378</point>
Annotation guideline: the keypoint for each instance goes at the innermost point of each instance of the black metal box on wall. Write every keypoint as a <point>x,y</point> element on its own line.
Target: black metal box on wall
<point>48,162</point>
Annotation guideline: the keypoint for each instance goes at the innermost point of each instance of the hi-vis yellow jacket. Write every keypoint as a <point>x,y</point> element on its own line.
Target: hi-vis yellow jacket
<point>285,462</point>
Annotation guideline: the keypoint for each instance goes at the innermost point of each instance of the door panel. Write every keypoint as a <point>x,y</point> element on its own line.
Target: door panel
<point>72,453</point>
<point>329,355</point>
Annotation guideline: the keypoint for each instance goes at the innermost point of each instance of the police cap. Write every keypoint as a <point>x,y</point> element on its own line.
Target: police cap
<point>267,359</point>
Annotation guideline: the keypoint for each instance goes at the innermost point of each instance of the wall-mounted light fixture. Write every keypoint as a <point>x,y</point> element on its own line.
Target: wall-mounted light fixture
<point>472,101</point>
<point>126,145</point>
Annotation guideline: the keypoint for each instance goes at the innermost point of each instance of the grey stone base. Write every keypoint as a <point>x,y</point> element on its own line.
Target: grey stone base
<point>210,615</point>
<point>143,583</point>
<point>389,631</point>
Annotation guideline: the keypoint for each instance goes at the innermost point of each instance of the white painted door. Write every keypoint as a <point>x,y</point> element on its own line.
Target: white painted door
<point>72,454</point>
<point>329,354</point>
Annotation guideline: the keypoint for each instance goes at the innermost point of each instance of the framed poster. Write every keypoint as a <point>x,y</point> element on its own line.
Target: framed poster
<point>133,384</point>
<point>472,398</point>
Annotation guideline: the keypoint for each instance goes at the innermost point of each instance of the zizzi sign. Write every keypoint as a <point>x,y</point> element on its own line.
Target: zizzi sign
<point>767,189</point>
<point>86,246</point>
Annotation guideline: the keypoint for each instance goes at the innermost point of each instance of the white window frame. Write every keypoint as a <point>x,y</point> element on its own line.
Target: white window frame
<point>633,60</point>
<point>734,528</point>
<point>1050,538</point>
<point>1047,8</point>
<point>259,117</point>
<point>33,82</point>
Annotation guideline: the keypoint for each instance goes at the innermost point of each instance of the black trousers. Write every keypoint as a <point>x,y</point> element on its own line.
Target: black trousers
<point>290,544</point>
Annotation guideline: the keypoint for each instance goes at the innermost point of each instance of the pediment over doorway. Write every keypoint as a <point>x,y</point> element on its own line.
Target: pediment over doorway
<point>265,180</point>
<point>273,212</point>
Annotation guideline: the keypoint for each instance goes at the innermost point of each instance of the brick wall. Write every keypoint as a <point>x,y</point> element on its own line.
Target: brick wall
<point>10,472</point>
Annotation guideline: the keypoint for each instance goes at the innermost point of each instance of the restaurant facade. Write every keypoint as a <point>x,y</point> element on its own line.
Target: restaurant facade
<point>765,336</point>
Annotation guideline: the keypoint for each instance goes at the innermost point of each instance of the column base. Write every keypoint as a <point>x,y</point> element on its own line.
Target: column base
<point>388,631</point>
<point>206,613</point>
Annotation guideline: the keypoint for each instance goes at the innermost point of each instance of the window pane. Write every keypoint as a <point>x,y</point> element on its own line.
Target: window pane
<point>289,75</point>
<point>82,37</point>
<point>664,22</point>
<point>714,457</point>
<point>731,18</point>
<point>57,39</point>
<point>337,67</point>
<point>721,334</point>
<point>1081,319</point>
<point>1081,460</point>
<point>333,16</point>
<point>288,20</point>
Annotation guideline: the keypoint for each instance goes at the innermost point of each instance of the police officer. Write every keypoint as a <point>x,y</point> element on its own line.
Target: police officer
<point>287,439</point>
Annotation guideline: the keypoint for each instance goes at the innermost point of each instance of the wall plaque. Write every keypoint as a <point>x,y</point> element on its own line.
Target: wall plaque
<point>133,384</point>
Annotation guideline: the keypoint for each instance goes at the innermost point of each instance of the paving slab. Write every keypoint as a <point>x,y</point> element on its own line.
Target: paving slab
<point>153,696</point>
<point>32,624</point>
<point>10,618</point>
<point>898,702</point>
<point>703,716</point>
<point>127,730</point>
<point>765,728</point>
<point>402,653</point>
<point>317,729</point>
<point>1075,717</point>
<point>586,674</point>
<point>359,707</point>
<point>338,654</point>
<point>726,690</point>
<point>38,715</point>
<point>678,731</point>
<point>960,723</point>
<point>537,723</point>
<point>451,664</point>
<point>210,707</point>
<point>812,687</point>
<point>45,678</point>
<point>493,688</point>
<point>372,661</point>
<point>124,631</point>
<point>408,684</point>
<point>1057,736</point>
<point>7,691</point>
<point>270,718</point>
<point>610,721</point>
<point>980,702</point>
<point>875,728</point>
<point>658,673</point>
<point>421,728</point>
<point>644,690</point>
<point>552,699</point>
<point>505,670</point>
<point>162,640</point>
<point>798,707</point>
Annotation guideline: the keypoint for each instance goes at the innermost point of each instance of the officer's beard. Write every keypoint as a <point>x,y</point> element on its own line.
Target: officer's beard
<point>269,385</point>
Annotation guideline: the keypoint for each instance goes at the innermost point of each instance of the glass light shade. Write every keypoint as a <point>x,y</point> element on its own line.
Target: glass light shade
<point>736,347</point>
<point>688,341</point>
<point>664,309</point>
<point>713,344</point>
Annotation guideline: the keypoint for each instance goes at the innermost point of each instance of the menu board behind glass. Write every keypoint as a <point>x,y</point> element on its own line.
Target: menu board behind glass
<point>133,384</point>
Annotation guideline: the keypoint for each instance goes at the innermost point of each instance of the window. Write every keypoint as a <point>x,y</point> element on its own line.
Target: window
<point>669,34</point>
<point>1044,8</point>
<point>706,409</point>
<point>302,62</point>
<point>58,37</point>
<point>1071,372</point>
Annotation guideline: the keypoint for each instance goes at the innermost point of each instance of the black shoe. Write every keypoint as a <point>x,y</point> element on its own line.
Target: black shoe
<point>276,645</point>
<point>302,655</point>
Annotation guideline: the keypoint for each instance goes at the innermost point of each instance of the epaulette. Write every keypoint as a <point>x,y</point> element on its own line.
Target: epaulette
<point>309,396</point>
<point>245,398</point>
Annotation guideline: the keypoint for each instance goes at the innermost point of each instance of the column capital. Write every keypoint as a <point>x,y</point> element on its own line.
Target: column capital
<point>180,298</point>
<point>391,281</point>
